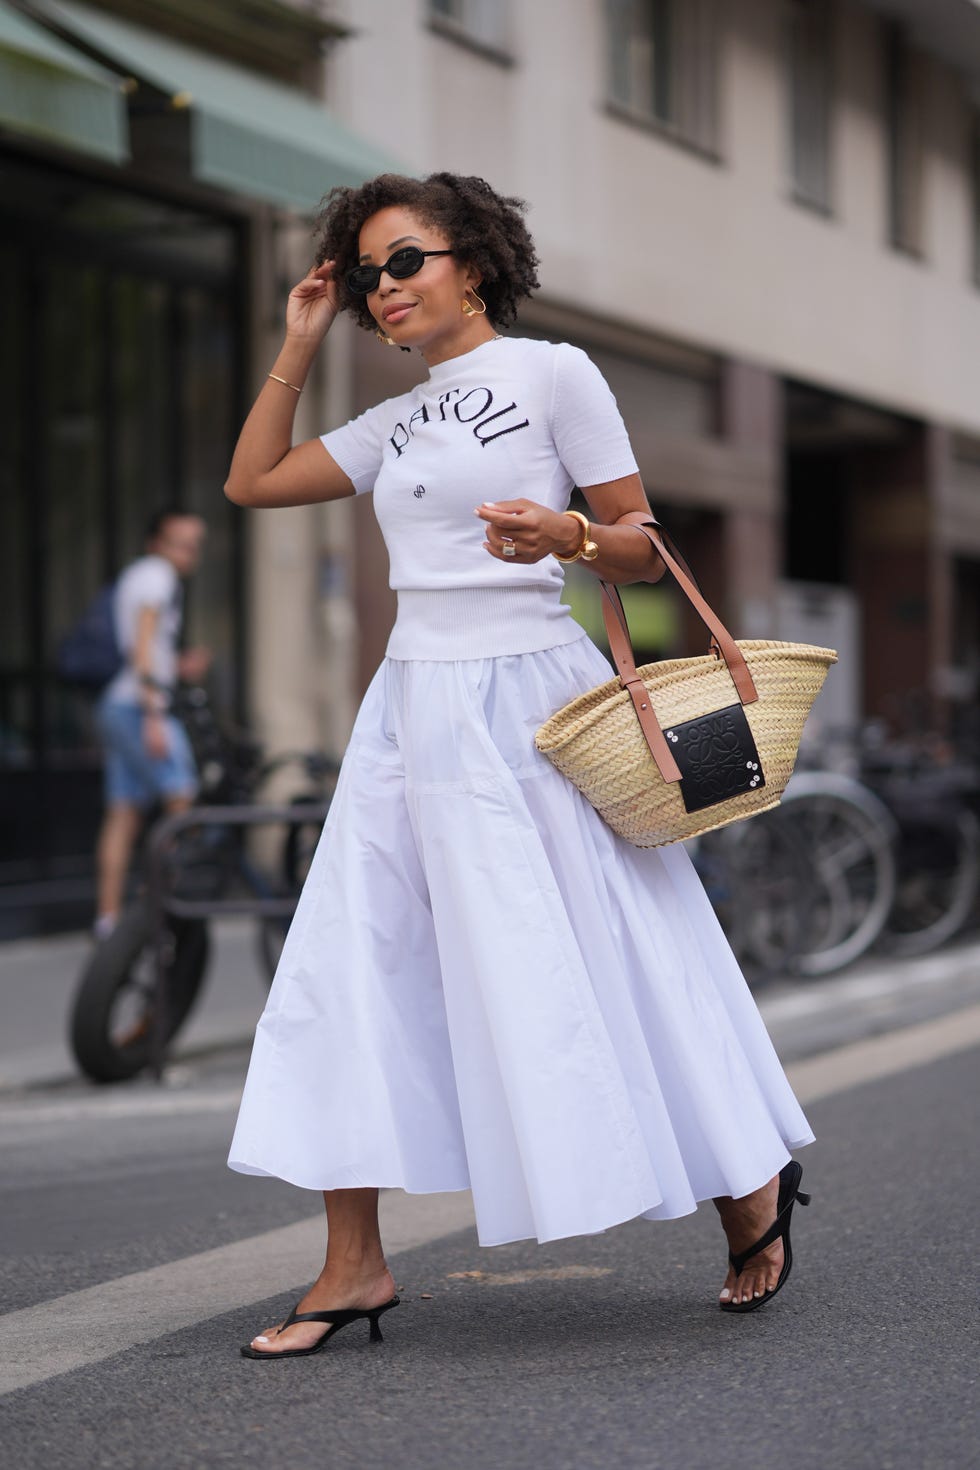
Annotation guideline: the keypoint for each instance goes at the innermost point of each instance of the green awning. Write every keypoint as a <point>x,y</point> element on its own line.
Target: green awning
<point>248,134</point>
<point>52,92</point>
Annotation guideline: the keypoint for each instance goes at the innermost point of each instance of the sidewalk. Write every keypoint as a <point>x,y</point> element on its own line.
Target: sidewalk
<point>37,983</point>
<point>38,977</point>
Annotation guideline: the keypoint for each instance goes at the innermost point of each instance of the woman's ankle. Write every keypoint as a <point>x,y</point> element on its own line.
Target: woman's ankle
<point>345,1268</point>
<point>355,1263</point>
<point>335,1288</point>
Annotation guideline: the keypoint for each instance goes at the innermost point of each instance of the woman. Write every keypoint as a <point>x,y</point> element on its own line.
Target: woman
<point>483,987</point>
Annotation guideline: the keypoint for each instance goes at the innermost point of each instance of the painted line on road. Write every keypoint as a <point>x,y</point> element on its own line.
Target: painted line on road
<point>883,1056</point>
<point>102,1107</point>
<point>88,1326</point>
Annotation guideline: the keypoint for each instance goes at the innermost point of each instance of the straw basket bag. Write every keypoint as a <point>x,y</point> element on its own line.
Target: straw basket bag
<point>688,744</point>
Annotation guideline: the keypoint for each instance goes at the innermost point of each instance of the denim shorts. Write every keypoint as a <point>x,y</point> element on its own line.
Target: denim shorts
<point>130,774</point>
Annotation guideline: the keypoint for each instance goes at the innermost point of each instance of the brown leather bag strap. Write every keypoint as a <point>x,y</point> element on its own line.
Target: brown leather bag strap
<point>621,647</point>
<point>723,642</point>
<point>617,632</point>
<point>640,518</point>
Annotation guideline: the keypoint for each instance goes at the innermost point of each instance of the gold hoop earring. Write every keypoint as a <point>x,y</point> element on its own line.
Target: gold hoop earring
<point>384,338</point>
<point>469,310</point>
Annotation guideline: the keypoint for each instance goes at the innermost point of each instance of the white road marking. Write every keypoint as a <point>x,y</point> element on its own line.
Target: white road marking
<point>86,1327</point>
<point>104,1106</point>
<point>882,1056</point>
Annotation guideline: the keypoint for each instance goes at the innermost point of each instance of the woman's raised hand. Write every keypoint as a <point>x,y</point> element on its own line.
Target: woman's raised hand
<point>313,304</point>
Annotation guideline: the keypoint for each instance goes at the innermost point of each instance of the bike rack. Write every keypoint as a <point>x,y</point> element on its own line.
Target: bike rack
<point>161,901</point>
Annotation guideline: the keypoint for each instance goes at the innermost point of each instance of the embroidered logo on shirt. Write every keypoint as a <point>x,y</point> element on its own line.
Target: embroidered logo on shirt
<point>472,409</point>
<point>419,491</point>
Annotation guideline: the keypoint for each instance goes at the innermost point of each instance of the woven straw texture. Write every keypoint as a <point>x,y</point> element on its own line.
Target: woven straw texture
<point>597,743</point>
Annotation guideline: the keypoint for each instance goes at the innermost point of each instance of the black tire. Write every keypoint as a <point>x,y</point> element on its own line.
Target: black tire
<point>111,1020</point>
<point>938,882</point>
<point>848,837</point>
<point>297,852</point>
<point>298,848</point>
<point>769,887</point>
<point>271,936</point>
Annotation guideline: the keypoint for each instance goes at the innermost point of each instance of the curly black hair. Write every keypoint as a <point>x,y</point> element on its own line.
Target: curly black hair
<point>484,228</point>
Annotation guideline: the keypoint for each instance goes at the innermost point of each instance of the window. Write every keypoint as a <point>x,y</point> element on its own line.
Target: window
<point>808,56</point>
<point>481,23</point>
<point>662,65</point>
<point>639,33</point>
<point>903,123</point>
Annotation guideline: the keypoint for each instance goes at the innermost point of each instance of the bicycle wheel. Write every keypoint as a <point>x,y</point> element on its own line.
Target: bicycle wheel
<point>298,849</point>
<point>110,1029</point>
<point>938,880</point>
<point>848,837</point>
<point>767,894</point>
<point>270,938</point>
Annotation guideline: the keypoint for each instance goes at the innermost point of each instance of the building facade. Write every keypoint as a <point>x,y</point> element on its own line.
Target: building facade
<point>760,217</point>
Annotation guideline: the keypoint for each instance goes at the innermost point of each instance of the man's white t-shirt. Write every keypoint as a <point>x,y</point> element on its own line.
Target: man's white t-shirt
<point>152,581</point>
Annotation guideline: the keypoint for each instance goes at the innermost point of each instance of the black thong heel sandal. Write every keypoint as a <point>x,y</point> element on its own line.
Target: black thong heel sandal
<point>334,1320</point>
<point>789,1192</point>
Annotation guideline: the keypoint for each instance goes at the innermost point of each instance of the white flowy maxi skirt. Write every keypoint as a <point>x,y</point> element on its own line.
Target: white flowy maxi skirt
<point>483,988</point>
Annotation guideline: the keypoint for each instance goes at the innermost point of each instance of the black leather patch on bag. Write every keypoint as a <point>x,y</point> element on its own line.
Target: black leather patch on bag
<point>717,757</point>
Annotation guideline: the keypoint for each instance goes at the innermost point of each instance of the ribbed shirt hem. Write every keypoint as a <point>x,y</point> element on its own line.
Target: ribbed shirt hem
<point>453,623</point>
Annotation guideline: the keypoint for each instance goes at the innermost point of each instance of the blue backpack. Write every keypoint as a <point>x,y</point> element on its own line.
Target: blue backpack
<point>89,654</point>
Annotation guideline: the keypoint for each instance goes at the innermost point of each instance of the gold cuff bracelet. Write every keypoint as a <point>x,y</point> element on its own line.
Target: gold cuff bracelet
<point>587,549</point>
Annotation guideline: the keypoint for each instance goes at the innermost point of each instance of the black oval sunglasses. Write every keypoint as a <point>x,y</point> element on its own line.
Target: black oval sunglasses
<point>402,264</point>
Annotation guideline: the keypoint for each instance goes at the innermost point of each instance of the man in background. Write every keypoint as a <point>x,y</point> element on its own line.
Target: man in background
<point>148,758</point>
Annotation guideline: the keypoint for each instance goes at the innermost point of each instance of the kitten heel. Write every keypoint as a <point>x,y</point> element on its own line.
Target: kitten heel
<point>376,1335</point>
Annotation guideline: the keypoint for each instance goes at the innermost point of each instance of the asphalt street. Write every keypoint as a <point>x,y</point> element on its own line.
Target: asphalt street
<point>133,1264</point>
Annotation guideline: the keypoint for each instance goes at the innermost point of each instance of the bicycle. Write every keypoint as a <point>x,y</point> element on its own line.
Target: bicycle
<point>933,800</point>
<point>806,888</point>
<point>111,1025</point>
<point>757,880</point>
<point>849,838</point>
<point>893,858</point>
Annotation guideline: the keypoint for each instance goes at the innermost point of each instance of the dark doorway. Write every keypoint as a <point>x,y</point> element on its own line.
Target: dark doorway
<point>856,517</point>
<point>119,374</point>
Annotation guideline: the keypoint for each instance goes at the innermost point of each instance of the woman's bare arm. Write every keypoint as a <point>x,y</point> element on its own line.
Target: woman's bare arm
<point>625,554</point>
<point>266,470</point>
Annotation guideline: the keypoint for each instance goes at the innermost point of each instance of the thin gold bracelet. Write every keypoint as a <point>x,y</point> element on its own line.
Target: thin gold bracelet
<point>285,382</point>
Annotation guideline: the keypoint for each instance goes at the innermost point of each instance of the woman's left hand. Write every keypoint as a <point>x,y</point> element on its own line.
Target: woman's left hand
<point>522,531</point>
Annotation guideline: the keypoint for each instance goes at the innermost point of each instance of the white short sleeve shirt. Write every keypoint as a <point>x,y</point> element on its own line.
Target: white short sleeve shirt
<point>512,418</point>
<point>152,582</point>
